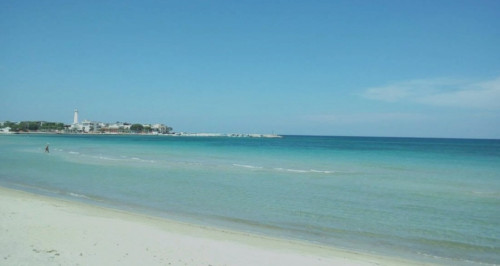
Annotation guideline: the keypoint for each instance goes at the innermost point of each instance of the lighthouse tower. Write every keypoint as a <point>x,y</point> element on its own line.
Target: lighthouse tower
<point>75,117</point>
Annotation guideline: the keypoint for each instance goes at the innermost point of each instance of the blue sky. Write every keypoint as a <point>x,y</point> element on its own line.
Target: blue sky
<point>356,68</point>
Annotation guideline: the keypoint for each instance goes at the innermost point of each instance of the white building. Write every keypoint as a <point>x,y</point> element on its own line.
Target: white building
<point>75,117</point>
<point>5,130</point>
<point>90,126</point>
<point>118,127</point>
<point>159,128</point>
<point>87,126</point>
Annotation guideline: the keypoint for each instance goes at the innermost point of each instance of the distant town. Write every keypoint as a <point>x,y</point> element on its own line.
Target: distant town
<point>95,127</point>
<point>83,127</point>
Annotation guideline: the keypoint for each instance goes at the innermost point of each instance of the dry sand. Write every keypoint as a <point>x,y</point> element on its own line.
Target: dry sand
<point>39,230</point>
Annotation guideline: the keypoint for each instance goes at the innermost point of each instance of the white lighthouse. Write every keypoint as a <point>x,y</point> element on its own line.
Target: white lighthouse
<point>75,117</point>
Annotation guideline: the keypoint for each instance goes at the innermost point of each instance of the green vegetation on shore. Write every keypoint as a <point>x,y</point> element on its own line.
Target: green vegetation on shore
<point>120,128</point>
<point>33,126</point>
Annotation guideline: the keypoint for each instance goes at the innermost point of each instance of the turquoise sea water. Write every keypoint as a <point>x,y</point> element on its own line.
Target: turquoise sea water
<point>434,200</point>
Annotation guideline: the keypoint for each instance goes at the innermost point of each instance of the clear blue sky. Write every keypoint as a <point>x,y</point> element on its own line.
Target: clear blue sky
<point>364,68</point>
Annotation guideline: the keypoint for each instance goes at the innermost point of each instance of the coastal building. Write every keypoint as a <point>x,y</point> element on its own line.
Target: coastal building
<point>157,128</point>
<point>4,130</point>
<point>75,117</point>
<point>76,127</point>
<point>88,126</point>
<point>117,127</point>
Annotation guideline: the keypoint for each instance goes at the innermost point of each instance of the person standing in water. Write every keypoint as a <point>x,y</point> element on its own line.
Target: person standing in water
<point>47,148</point>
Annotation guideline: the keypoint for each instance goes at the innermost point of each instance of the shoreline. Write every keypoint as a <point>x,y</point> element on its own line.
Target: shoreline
<point>177,134</point>
<point>245,135</point>
<point>43,230</point>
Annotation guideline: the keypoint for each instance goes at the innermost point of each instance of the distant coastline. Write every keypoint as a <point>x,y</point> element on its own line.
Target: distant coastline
<point>173,134</point>
<point>117,128</point>
<point>233,135</point>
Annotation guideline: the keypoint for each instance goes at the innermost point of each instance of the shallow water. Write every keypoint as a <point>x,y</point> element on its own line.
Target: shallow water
<point>427,199</point>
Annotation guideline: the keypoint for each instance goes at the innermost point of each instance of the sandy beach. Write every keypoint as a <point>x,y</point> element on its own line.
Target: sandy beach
<point>39,230</point>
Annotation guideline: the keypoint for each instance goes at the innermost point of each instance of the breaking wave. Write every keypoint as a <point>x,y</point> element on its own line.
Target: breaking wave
<point>248,166</point>
<point>252,167</point>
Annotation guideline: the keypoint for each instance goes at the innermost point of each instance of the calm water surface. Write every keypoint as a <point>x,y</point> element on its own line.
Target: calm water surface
<point>435,200</point>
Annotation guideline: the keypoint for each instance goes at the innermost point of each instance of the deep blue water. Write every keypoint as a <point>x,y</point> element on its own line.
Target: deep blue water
<point>435,200</point>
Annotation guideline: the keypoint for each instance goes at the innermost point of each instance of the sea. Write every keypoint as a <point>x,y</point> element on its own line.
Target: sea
<point>430,200</point>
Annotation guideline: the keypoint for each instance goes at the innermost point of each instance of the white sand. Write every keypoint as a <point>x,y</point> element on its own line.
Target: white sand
<point>38,230</point>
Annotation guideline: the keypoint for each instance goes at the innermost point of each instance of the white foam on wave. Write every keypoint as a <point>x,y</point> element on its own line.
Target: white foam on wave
<point>117,158</point>
<point>290,170</point>
<point>322,171</point>
<point>304,171</point>
<point>106,158</point>
<point>485,194</point>
<point>142,160</point>
<point>247,166</point>
<point>76,195</point>
<point>296,170</point>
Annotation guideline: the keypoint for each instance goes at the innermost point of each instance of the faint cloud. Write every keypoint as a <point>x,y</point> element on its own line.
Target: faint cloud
<point>440,92</point>
<point>357,118</point>
<point>391,93</point>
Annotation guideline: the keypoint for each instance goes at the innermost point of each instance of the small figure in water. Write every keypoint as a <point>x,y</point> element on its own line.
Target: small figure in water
<point>47,148</point>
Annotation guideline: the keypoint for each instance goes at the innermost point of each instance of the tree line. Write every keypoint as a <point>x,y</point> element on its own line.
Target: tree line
<point>33,126</point>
